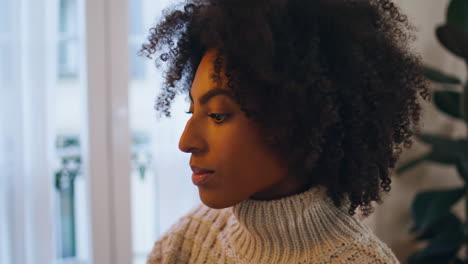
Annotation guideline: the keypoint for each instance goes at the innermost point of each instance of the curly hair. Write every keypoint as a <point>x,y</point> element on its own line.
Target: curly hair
<point>332,83</point>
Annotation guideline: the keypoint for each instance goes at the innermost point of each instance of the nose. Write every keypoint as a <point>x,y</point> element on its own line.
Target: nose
<point>191,140</point>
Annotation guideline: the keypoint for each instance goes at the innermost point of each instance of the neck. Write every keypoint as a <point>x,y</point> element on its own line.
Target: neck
<point>284,188</point>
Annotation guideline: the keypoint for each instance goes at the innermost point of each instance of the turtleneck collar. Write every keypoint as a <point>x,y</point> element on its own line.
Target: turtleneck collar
<point>292,227</point>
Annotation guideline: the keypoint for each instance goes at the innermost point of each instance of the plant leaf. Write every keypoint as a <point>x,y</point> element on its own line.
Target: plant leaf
<point>410,164</point>
<point>443,244</point>
<point>445,150</point>
<point>430,207</point>
<point>449,103</point>
<point>440,77</point>
<point>457,14</point>
<point>448,240</point>
<point>453,39</point>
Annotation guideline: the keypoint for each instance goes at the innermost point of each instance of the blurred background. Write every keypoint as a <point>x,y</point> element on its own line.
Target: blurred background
<point>89,174</point>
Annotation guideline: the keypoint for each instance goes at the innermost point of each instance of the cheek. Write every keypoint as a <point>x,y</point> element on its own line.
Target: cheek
<point>229,151</point>
<point>235,153</point>
<point>239,153</point>
<point>235,145</point>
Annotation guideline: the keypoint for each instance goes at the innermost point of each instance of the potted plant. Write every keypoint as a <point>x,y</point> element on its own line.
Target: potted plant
<point>433,220</point>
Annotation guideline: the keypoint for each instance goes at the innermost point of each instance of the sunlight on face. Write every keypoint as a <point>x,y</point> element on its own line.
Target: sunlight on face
<point>222,139</point>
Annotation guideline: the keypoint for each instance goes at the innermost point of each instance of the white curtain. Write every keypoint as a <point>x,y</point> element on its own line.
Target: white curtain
<point>26,74</point>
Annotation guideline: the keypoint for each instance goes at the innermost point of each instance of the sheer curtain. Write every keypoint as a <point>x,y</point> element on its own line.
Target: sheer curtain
<point>26,72</point>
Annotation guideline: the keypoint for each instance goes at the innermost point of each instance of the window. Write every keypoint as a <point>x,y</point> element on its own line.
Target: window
<point>137,64</point>
<point>68,64</point>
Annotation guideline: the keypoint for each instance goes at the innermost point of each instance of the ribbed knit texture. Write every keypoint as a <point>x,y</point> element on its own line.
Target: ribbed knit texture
<point>302,228</point>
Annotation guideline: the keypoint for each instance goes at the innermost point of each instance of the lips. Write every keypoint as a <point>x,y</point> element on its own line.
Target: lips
<point>200,175</point>
<point>198,170</point>
<point>200,179</point>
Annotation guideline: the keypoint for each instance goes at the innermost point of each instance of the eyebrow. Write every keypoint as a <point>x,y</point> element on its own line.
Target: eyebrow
<point>212,93</point>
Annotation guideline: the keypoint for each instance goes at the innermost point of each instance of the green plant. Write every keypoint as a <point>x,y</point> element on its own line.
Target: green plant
<point>431,210</point>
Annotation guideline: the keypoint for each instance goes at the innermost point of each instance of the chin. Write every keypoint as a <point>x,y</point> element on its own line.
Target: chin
<point>215,201</point>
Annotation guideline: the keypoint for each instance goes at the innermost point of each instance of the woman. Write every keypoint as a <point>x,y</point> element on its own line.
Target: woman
<point>299,110</point>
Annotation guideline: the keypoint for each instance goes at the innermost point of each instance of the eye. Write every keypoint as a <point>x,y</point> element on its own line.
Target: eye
<point>219,118</point>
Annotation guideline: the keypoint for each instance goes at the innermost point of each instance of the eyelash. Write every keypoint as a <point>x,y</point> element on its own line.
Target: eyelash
<point>214,115</point>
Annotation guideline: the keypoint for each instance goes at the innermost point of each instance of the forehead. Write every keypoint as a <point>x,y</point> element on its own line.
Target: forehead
<point>205,84</point>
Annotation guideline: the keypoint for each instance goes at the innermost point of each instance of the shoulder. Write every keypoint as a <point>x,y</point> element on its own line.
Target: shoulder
<point>371,251</point>
<point>176,244</point>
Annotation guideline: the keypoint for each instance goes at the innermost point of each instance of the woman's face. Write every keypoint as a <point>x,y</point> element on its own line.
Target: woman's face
<point>230,145</point>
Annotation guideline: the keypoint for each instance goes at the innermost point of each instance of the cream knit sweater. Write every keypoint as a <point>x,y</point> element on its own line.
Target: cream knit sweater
<point>302,228</point>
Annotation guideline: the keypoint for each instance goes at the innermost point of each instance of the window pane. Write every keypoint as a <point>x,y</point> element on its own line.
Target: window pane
<point>68,58</point>
<point>137,33</point>
<point>136,20</point>
<point>68,46</point>
<point>137,63</point>
<point>67,16</point>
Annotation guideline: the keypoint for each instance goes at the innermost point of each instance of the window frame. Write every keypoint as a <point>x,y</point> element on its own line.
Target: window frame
<point>106,148</point>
